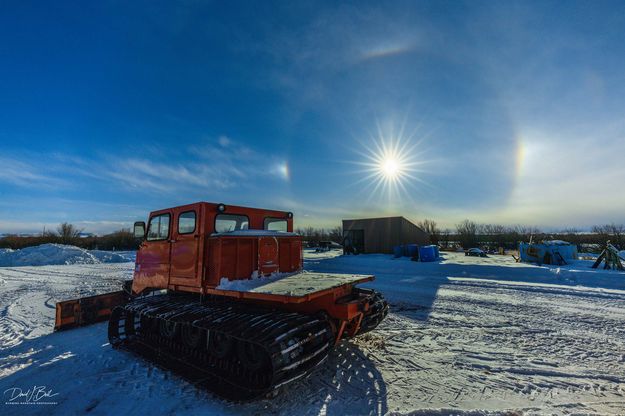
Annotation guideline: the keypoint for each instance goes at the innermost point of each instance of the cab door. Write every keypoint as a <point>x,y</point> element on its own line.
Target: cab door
<point>153,258</point>
<point>185,247</point>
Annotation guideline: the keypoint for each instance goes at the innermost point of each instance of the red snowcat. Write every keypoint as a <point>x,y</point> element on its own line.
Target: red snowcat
<point>219,295</point>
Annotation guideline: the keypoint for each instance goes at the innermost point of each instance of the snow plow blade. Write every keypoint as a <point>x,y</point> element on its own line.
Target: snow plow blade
<point>84,311</point>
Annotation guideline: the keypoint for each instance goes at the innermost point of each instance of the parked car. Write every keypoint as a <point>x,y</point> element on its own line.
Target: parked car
<point>476,252</point>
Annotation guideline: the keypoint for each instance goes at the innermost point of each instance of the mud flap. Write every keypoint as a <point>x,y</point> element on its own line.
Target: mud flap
<point>88,310</point>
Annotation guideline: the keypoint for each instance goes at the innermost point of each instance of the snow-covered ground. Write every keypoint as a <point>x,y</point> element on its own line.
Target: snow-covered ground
<point>466,335</point>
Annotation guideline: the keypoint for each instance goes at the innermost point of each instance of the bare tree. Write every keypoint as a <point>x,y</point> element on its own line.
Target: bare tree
<point>336,234</point>
<point>444,238</point>
<point>571,235</point>
<point>314,235</point>
<point>602,233</point>
<point>617,232</point>
<point>487,229</point>
<point>526,233</point>
<point>522,230</point>
<point>46,233</point>
<point>494,234</point>
<point>430,227</point>
<point>613,232</point>
<point>467,233</point>
<point>67,232</point>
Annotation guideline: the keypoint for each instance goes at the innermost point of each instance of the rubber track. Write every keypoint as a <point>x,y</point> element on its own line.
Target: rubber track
<point>378,309</point>
<point>295,343</point>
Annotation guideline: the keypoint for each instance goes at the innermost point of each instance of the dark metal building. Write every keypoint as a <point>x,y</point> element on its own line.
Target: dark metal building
<point>380,235</point>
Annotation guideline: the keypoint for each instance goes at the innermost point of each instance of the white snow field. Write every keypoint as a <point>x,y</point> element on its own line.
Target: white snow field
<point>465,336</point>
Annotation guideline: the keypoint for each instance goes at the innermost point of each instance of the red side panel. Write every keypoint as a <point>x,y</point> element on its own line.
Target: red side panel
<point>285,255</point>
<point>236,258</point>
<point>268,256</point>
<point>228,266</point>
<point>246,253</point>
<point>290,254</point>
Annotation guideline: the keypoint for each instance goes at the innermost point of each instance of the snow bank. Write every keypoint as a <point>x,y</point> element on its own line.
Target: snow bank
<point>114,256</point>
<point>556,243</point>
<point>52,254</point>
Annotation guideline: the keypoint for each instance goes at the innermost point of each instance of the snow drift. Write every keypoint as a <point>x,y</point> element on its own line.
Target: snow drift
<point>53,254</point>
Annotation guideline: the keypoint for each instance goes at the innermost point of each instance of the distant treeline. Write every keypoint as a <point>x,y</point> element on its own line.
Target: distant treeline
<point>469,234</point>
<point>466,234</point>
<point>68,234</point>
<point>315,235</point>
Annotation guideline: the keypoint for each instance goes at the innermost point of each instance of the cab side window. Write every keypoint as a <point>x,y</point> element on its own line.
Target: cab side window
<point>158,229</point>
<point>275,224</point>
<point>186,222</point>
<point>225,223</point>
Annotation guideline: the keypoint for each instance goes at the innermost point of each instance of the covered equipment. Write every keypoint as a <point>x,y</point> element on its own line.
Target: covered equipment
<point>556,252</point>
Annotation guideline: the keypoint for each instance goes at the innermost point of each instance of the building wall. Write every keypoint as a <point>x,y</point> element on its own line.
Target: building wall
<point>414,234</point>
<point>382,234</point>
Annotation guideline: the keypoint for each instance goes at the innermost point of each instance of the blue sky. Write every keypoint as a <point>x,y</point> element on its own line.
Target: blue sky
<point>502,112</point>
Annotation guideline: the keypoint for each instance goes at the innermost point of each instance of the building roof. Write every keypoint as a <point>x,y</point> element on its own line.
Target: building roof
<point>378,218</point>
<point>387,218</point>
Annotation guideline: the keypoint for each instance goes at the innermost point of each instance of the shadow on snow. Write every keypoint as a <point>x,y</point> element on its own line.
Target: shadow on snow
<point>412,287</point>
<point>88,375</point>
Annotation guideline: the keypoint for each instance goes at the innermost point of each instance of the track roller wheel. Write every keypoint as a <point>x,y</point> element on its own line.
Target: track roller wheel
<point>168,329</point>
<point>132,324</point>
<point>192,336</point>
<point>252,356</point>
<point>117,321</point>
<point>148,324</point>
<point>219,345</point>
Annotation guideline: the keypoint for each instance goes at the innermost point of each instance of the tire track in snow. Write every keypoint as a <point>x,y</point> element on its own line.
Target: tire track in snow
<point>28,295</point>
<point>502,346</point>
<point>11,332</point>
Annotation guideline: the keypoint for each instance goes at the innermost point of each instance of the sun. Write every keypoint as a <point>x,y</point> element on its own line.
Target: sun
<point>390,164</point>
<point>390,167</point>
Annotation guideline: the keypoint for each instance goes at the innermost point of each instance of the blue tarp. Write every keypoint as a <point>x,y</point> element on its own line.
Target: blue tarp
<point>398,251</point>
<point>548,252</point>
<point>410,250</point>
<point>428,253</point>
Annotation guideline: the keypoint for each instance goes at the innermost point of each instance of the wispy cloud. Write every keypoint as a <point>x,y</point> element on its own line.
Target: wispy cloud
<point>23,173</point>
<point>309,59</point>
<point>233,159</point>
<point>214,165</point>
<point>145,175</point>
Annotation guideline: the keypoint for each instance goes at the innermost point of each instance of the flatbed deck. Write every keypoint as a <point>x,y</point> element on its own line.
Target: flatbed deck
<point>292,288</point>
